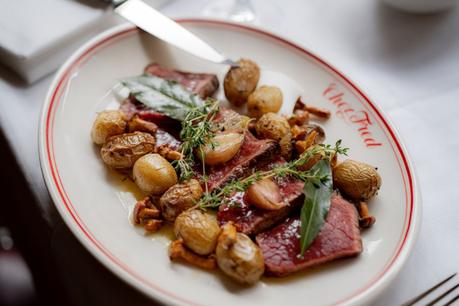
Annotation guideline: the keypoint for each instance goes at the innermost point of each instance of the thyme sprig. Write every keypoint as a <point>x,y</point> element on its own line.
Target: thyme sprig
<point>197,129</point>
<point>293,168</point>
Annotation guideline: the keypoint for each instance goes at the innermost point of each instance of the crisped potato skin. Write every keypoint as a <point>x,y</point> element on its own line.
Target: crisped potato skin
<point>241,81</point>
<point>272,126</point>
<point>276,127</point>
<point>122,151</point>
<point>199,231</point>
<point>357,180</point>
<point>265,99</point>
<point>108,123</point>
<point>178,198</point>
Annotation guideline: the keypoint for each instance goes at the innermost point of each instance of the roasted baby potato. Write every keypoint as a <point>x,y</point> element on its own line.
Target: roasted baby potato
<point>108,123</point>
<point>199,231</point>
<point>357,180</point>
<point>154,174</point>
<point>121,151</point>
<point>238,256</point>
<point>272,126</point>
<point>265,99</point>
<point>276,127</point>
<point>179,198</point>
<point>241,81</point>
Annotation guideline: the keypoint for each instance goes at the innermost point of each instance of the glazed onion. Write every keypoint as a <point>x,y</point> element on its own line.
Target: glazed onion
<point>154,174</point>
<point>221,148</point>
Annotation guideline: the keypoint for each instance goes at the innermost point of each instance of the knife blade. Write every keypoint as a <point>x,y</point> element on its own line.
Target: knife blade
<point>164,28</point>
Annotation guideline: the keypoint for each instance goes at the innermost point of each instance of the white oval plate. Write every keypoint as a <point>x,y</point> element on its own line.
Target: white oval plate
<point>95,205</point>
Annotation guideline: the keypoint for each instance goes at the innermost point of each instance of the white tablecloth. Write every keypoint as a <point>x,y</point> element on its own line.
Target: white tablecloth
<point>408,64</point>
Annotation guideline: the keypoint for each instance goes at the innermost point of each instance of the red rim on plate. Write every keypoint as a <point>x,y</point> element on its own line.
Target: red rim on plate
<point>48,162</point>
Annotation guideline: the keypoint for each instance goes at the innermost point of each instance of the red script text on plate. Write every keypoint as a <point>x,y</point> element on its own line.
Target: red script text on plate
<point>359,118</point>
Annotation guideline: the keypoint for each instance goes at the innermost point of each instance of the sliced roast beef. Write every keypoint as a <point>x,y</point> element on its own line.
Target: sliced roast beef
<point>165,138</point>
<point>130,107</point>
<point>252,220</point>
<point>203,84</point>
<point>252,152</point>
<point>339,237</point>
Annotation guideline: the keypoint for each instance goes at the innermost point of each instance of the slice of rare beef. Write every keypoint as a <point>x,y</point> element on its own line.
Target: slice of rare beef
<point>252,152</point>
<point>339,237</point>
<point>252,220</point>
<point>203,84</point>
<point>131,107</point>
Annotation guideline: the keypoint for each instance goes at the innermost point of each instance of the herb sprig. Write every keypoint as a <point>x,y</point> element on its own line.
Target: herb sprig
<point>197,130</point>
<point>292,168</point>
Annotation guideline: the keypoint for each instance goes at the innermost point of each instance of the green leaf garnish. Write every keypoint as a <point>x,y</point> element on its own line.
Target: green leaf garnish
<point>317,194</point>
<point>163,96</point>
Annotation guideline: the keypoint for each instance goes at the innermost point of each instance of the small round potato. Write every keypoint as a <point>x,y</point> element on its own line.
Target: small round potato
<point>121,151</point>
<point>276,127</point>
<point>265,99</point>
<point>238,256</point>
<point>241,81</point>
<point>272,126</point>
<point>154,174</point>
<point>357,180</point>
<point>179,198</point>
<point>199,231</point>
<point>108,123</point>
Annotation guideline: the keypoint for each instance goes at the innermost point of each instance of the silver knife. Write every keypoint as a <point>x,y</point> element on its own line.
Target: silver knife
<point>164,28</point>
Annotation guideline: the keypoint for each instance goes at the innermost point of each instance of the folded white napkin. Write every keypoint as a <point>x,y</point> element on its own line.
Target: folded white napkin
<point>37,36</point>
